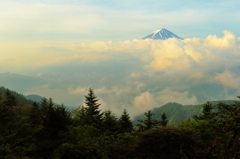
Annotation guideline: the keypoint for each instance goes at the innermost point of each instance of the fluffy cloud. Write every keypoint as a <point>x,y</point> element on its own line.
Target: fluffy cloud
<point>147,100</point>
<point>171,54</point>
<point>228,79</point>
<point>228,41</point>
<point>201,53</point>
<point>137,75</point>
<point>103,90</point>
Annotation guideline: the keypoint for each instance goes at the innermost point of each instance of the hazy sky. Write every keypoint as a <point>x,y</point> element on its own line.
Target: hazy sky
<point>67,20</point>
<point>72,45</point>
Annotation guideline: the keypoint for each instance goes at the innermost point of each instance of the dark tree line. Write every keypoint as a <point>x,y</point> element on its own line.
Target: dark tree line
<point>46,130</point>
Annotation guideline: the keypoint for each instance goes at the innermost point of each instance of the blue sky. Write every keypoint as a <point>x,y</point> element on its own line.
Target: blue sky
<point>106,20</point>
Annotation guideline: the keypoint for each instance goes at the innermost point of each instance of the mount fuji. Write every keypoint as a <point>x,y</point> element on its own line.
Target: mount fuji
<point>161,34</point>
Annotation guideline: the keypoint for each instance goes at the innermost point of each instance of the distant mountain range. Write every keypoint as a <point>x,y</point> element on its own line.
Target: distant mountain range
<point>25,100</point>
<point>34,97</point>
<point>176,113</point>
<point>38,98</point>
<point>20,99</point>
<point>161,34</point>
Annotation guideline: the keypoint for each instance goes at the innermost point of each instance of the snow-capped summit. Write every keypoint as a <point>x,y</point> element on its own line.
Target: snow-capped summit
<point>161,34</point>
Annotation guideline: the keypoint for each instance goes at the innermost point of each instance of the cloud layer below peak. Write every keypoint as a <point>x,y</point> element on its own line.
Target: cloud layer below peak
<point>137,74</point>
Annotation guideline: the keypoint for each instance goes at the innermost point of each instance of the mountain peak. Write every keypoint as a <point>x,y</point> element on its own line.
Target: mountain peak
<point>156,31</point>
<point>161,34</point>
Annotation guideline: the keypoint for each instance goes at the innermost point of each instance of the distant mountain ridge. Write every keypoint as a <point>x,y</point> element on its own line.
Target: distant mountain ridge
<point>20,99</point>
<point>34,97</point>
<point>25,100</point>
<point>161,34</point>
<point>37,98</point>
<point>176,113</point>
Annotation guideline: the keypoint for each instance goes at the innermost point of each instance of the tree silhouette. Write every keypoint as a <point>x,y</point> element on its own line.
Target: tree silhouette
<point>93,114</point>
<point>164,120</point>
<point>124,123</point>
<point>109,121</point>
<point>148,123</point>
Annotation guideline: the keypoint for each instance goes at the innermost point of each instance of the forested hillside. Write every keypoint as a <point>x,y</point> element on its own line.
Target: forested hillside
<point>178,113</point>
<point>19,98</point>
<point>46,130</point>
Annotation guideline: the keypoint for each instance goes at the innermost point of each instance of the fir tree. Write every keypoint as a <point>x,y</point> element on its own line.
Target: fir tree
<point>124,123</point>
<point>1,97</point>
<point>164,120</point>
<point>79,115</point>
<point>44,105</point>
<point>55,118</point>
<point>109,121</point>
<point>93,114</point>
<point>207,112</point>
<point>9,99</point>
<point>228,123</point>
<point>35,114</point>
<point>6,113</point>
<point>148,123</point>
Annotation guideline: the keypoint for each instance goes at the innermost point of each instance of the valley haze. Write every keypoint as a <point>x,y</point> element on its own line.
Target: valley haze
<point>60,49</point>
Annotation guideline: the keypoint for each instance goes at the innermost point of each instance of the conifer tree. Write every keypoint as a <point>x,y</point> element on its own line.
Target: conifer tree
<point>44,105</point>
<point>164,120</point>
<point>6,113</point>
<point>109,121</point>
<point>9,99</point>
<point>148,123</point>
<point>80,115</point>
<point>82,112</point>
<point>93,114</point>
<point>35,114</point>
<point>124,123</point>
<point>228,123</point>
<point>55,118</point>
<point>1,97</point>
<point>207,112</point>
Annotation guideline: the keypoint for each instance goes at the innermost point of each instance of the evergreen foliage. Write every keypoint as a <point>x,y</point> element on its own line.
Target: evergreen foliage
<point>207,112</point>
<point>109,121</point>
<point>167,142</point>
<point>79,115</point>
<point>149,122</point>
<point>55,118</point>
<point>9,99</point>
<point>46,130</point>
<point>228,123</point>
<point>19,99</point>
<point>93,114</point>
<point>35,115</point>
<point>177,113</point>
<point>164,120</point>
<point>124,122</point>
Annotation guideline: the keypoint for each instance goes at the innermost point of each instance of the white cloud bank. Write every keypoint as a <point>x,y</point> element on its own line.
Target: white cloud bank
<point>138,74</point>
<point>173,54</point>
<point>147,101</point>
